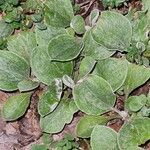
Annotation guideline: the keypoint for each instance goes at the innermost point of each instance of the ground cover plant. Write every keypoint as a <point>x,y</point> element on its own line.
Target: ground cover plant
<point>82,67</point>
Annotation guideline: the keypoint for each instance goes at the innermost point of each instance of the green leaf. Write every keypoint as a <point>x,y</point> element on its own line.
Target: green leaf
<point>93,95</point>
<point>135,103</point>
<point>87,123</point>
<point>113,31</point>
<point>55,121</point>
<point>94,15</point>
<point>103,138</point>
<point>134,133</point>
<point>113,70</point>
<point>146,7</point>
<point>50,99</point>
<point>86,66</point>
<point>136,76</point>
<point>44,36</point>
<point>93,49</point>
<point>5,29</point>
<point>64,48</point>
<point>22,44</point>
<point>39,147</point>
<point>27,85</point>
<point>68,81</point>
<point>78,24</point>
<point>13,69</point>
<point>45,70</point>
<point>15,106</point>
<point>58,13</point>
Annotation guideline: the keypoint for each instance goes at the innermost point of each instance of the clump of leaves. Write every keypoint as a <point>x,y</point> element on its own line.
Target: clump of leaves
<point>77,65</point>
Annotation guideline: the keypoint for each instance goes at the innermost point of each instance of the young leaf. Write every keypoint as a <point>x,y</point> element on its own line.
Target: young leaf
<point>104,138</point>
<point>94,15</point>
<point>113,70</point>
<point>27,85</point>
<point>64,48</point>
<point>136,76</point>
<point>87,123</point>
<point>55,121</point>
<point>78,24</point>
<point>113,30</point>
<point>50,99</point>
<point>5,29</point>
<point>86,66</point>
<point>68,81</point>
<point>58,13</point>
<point>46,70</point>
<point>93,95</point>
<point>15,106</point>
<point>134,133</point>
<point>93,49</point>
<point>13,69</point>
<point>22,44</point>
<point>135,103</point>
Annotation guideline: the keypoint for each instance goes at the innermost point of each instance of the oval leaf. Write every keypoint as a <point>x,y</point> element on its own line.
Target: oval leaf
<point>13,69</point>
<point>87,123</point>
<point>55,121</point>
<point>113,70</point>
<point>58,13</point>
<point>45,70</point>
<point>64,48</point>
<point>93,95</point>
<point>113,31</point>
<point>103,138</point>
<point>15,106</point>
<point>134,133</point>
<point>27,85</point>
<point>93,49</point>
<point>22,44</point>
<point>78,24</point>
<point>136,76</point>
<point>135,103</point>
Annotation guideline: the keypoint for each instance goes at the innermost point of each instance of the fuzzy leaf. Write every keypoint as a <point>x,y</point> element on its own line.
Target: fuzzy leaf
<point>27,85</point>
<point>103,138</point>
<point>5,29</point>
<point>86,66</point>
<point>134,133</point>
<point>15,106</point>
<point>44,36</point>
<point>50,99</point>
<point>93,49</point>
<point>78,24</point>
<point>94,15</point>
<point>13,69</point>
<point>45,70</point>
<point>22,44</point>
<point>64,48</point>
<point>87,123</point>
<point>93,95</point>
<point>113,30</point>
<point>55,121</point>
<point>136,76</point>
<point>113,70</point>
<point>135,103</point>
<point>58,13</point>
